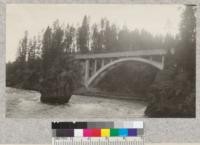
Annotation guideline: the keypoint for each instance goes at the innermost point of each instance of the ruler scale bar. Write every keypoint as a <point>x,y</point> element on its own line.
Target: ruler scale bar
<point>64,141</point>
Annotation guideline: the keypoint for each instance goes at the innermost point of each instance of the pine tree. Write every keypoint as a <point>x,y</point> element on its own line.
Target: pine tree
<point>135,39</point>
<point>57,40</point>
<point>32,50</point>
<point>186,50</point>
<point>83,36</point>
<point>97,38</point>
<point>23,49</point>
<point>69,39</point>
<point>46,49</point>
<point>124,40</point>
<point>110,37</point>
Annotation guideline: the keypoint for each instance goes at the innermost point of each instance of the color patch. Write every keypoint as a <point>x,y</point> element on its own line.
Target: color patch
<point>140,132</point>
<point>114,132</point>
<point>137,124</point>
<point>65,132</point>
<point>78,132</point>
<point>105,132</point>
<point>96,132</point>
<point>54,132</point>
<point>123,132</point>
<point>87,132</point>
<point>132,132</point>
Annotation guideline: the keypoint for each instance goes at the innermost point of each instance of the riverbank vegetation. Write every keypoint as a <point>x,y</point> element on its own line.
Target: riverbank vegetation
<point>173,92</point>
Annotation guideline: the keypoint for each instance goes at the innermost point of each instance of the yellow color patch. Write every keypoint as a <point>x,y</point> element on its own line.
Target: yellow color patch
<point>105,132</point>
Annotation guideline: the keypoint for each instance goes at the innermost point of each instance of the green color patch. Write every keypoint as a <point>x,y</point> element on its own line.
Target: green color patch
<point>114,132</point>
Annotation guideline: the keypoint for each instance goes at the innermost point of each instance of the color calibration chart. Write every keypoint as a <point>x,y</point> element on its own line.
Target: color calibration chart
<point>98,133</point>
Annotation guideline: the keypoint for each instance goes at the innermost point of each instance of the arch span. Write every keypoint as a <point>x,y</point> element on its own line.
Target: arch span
<point>105,67</point>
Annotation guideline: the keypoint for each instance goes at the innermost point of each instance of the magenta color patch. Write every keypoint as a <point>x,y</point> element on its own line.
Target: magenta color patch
<point>87,132</point>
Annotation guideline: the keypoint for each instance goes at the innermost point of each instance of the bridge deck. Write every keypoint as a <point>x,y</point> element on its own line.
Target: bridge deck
<point>135,53</point>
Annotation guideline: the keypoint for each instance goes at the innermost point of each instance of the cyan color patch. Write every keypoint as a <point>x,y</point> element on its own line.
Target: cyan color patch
<point>123,132</point>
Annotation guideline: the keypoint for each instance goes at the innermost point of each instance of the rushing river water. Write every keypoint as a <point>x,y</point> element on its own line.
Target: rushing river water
<point>26,104</point>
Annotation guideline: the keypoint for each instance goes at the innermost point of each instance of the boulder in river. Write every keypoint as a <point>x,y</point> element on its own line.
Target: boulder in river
<point>57,89</point>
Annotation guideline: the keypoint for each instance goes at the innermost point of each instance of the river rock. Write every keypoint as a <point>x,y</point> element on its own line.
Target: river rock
<point>57,89</point>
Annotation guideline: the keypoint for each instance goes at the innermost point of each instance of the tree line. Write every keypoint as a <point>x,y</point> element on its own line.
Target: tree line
<point>94,38</point>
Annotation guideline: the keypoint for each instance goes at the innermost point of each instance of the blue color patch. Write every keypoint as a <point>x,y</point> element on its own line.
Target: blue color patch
<point>132,132</point>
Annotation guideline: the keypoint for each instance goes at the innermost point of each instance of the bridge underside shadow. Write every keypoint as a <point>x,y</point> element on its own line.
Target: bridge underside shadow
<point>124,80</point>
<point>114,64</point>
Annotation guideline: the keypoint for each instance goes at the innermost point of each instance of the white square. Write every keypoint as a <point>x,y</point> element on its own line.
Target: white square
<point>78,132</point>
<point>128,124</point>
<point>138,124</point>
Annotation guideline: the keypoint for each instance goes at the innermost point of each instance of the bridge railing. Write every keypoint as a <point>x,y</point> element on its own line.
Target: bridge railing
<point>135,53</point>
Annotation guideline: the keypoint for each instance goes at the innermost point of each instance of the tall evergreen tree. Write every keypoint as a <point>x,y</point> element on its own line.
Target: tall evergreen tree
<point>169,42</point>
<point>32,50</point>
<point>124,39</point>
<point>69,39</point>
<point>96,45</point>
<point>46,49</point>
<point>110,37</point>
<point>83,36</point>
<point>146,40</point>
<point>187,45</point>
<point>23,49</point>
<point>135,39</point>
<point>57,40</point>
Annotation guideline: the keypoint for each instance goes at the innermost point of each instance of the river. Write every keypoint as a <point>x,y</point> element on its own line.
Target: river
<point>26,104</point>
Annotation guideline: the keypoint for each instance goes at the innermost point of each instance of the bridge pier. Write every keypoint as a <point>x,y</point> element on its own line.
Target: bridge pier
<point>102,62</point>
<point>151,58</point>
<point>87,66</point>
<point>95,66</point>
<point>163,60</point>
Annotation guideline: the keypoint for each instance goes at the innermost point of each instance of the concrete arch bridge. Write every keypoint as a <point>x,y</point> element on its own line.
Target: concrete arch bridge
<point>97,64</point>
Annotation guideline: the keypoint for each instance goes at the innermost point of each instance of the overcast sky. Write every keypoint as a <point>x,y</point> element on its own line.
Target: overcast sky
<point>157,19</point>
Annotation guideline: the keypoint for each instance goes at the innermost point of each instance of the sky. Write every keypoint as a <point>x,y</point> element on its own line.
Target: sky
<point>157,19</point>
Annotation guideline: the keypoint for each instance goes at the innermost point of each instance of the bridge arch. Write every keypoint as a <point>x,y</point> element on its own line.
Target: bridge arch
<point>136,59</point>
